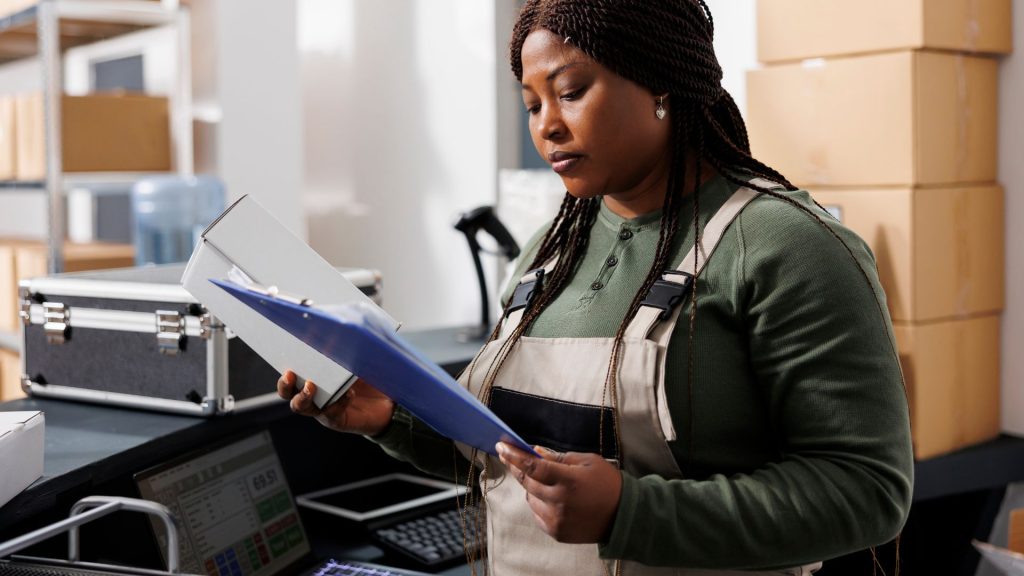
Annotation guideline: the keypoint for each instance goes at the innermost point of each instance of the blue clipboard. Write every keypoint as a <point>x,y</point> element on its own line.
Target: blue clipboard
<point>422,387</point>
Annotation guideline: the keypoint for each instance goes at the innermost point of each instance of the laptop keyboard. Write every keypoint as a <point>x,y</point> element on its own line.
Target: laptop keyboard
<point>350,568</point>
<point>430,540</point>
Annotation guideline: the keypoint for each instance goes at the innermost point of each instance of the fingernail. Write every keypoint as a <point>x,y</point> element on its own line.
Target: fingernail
<point>500,449</point>
<point>307,389</point>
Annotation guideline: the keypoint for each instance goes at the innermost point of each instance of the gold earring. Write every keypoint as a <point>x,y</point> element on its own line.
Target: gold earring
<point>660,110</point>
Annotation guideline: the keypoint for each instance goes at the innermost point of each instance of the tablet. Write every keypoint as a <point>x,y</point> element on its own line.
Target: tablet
<point>380,496</point>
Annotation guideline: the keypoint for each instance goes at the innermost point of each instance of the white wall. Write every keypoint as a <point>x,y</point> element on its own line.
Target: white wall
<point>400,116</point>
<point>735,44</point>
<point>1011,176</point>
<point>259,145</point>
<point>509,93</point>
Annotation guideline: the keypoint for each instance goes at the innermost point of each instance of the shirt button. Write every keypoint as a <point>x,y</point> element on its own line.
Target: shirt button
<point>625,235</point>
<point>611,261</point>
<point>596,286</point>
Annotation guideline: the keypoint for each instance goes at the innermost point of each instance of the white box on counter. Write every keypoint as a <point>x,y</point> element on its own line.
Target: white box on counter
<point>21,451</point>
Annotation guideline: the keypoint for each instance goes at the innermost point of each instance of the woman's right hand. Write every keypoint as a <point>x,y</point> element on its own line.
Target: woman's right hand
<point>362,410</point>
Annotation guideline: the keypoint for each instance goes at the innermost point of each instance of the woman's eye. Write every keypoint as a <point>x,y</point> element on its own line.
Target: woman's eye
<point>533,109</point>
<point>572,95</point>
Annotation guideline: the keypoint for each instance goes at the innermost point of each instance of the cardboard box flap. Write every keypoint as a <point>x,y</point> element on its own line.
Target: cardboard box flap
<point>24,419</point>
<point>1010,563</point>
<point>21,440</point>
<point>11,422</point>
<point>272,257</point>
<point>297,270</point>
<point>789,30</point>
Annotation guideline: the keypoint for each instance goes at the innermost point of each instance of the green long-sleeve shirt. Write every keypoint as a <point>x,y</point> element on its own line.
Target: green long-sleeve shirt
<point>800,448</point>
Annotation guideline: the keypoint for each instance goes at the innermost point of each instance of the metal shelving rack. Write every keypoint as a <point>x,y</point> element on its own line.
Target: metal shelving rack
<point>51,26</point>
<point>46,30</point>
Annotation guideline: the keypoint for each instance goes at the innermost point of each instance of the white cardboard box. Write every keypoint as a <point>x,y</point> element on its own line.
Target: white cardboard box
<point>249,238</point>
<point>1008,562</point>
<point>21,452</point>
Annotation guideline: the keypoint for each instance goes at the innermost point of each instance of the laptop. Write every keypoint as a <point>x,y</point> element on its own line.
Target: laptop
<point>236,514</point>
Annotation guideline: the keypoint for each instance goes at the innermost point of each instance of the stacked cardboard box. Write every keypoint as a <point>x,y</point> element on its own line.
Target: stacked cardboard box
<point>8,146</point>
<point>886,112</point>
<point>10,372</point>
<point>10,375</point>
<point>21,259</point>
<point>99,133</point>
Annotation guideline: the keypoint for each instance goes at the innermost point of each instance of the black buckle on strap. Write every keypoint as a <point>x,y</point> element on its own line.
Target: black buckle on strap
<point>526,290</point>
<point>667,294</point>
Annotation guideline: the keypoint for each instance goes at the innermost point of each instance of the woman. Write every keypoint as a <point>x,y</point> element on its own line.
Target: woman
<point>736,407</point>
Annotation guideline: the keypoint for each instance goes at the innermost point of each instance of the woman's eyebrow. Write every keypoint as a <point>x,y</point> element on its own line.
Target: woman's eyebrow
<point>563,68</point>
<point>554,73</point>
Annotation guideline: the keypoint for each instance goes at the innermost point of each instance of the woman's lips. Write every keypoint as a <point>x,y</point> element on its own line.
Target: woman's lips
<point>565,163</point>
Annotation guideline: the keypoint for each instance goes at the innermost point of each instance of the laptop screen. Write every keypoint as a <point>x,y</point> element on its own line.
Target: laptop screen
<point>235,512</point>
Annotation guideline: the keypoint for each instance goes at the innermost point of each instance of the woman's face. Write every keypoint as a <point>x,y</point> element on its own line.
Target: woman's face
<point>597,129</point>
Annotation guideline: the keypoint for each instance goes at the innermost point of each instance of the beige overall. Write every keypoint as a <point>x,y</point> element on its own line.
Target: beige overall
<point>569,373</point>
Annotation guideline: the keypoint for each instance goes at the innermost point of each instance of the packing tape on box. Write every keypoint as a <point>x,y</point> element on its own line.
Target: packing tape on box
<point>816,164</point>
<point>963,117</point>
<point>961,390</point>
<point>962,248</point>
<point>973,31</point>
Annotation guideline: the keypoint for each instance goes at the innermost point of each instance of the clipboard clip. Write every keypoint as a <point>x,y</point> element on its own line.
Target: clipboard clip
<point>273,292</point>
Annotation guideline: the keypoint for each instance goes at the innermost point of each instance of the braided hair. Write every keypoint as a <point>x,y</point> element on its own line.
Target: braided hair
<point>667,47</point>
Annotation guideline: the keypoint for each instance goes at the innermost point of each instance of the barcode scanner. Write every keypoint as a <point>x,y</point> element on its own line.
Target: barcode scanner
<point>470,223</point>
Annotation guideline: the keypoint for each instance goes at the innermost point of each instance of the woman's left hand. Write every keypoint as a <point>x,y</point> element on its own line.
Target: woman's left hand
<point>574,497</point>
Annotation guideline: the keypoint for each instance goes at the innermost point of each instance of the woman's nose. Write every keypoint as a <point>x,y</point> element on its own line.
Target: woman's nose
<point>550,125</point>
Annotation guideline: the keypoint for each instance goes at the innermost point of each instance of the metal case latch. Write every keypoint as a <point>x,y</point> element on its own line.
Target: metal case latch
<point>56,324</point>
<point>206,326</point>
<point>25,306</point>
<point>218,405</point>
<point>170,332</point>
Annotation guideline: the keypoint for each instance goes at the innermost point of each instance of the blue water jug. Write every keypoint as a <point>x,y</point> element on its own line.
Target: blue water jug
<point>170,213</point>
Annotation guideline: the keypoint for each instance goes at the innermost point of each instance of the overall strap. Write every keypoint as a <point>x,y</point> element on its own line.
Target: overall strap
<point>529,286</point>
<point>662,302</point>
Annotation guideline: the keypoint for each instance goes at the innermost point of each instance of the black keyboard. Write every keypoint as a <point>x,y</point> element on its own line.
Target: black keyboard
<point>430,540</point>
<point>351,568</point>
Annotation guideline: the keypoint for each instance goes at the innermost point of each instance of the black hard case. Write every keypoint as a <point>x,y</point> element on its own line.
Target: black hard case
<point>135,337</point>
